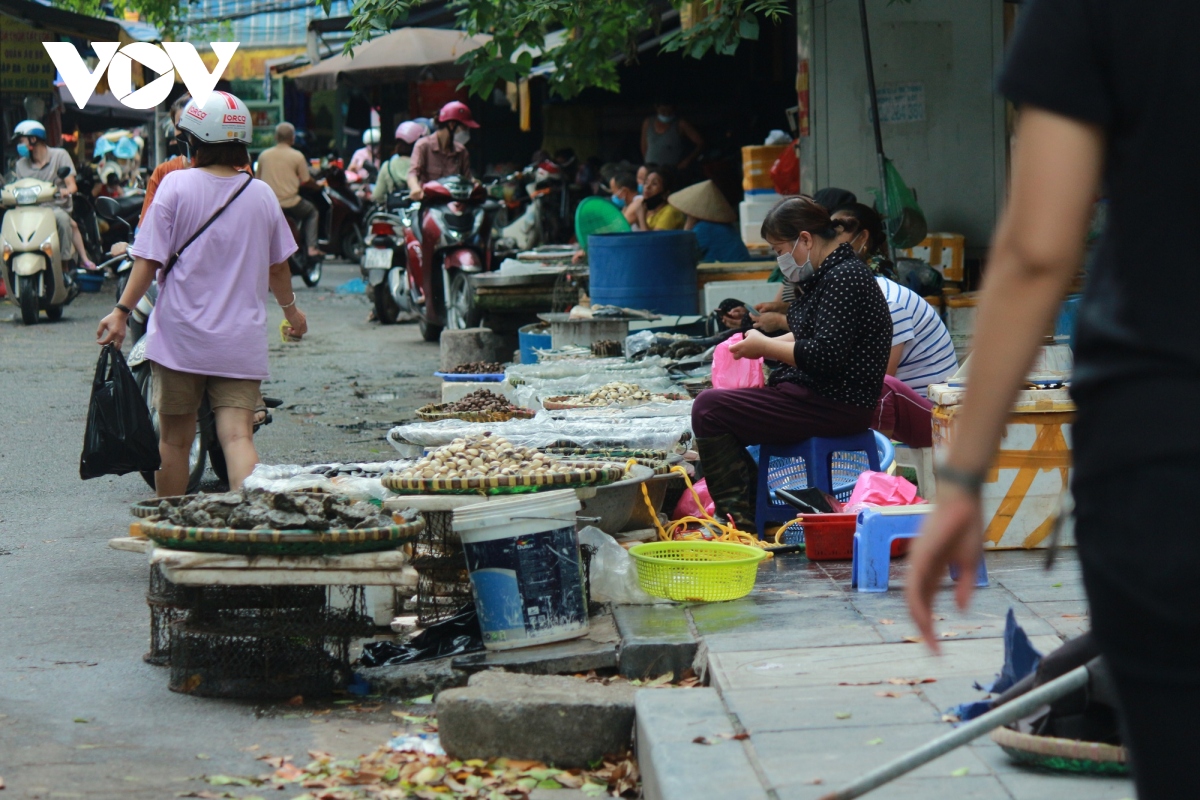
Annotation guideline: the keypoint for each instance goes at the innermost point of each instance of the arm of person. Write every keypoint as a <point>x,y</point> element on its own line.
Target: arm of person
<point>280,281</point>
<point>1038,247</point>
<point>70,185</point>
<point>894,359</point>
<point>771,320</point>
<point>757,345</point>
<point>112,327</point>
<point>416,171</point>
<point>304,174</point>
<point>687,130</point>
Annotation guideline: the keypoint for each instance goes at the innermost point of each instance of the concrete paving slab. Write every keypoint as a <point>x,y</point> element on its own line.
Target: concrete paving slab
<point>751,614</point>
<point>985,618</point>
<point>597,650</point>
<point>655,640</point>
<point>1034,584</point>
<point>965,788</point>
<point>673,766</point>
<point>827,666</point>
<point>838,755</point>
<point>1069,619</point>
<point>803,708</point>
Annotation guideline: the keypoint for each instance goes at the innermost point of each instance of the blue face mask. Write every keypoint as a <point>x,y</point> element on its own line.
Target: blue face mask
<point>641,188</point>
<point>23,150</point>
<point>618,201</point>
<point>666,119</point>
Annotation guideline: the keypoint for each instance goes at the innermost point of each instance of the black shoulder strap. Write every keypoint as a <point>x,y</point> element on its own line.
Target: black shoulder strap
<point>171,263</point>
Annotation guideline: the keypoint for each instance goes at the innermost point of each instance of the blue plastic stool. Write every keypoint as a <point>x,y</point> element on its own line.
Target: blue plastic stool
<point>817,454</point>
<point>877,528</point>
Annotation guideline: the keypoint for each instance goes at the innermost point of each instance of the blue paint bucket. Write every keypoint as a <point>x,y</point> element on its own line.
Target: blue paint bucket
<point>532,337</point>
<point>526,574</point>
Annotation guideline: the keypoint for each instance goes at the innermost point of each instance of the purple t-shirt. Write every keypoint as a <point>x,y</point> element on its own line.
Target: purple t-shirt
<point>210,317</point>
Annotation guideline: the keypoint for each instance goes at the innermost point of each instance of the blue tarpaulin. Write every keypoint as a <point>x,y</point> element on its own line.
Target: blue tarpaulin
<point>1020,659</point>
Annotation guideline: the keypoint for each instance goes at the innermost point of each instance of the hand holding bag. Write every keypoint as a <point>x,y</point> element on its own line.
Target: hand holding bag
<point>119,438</point>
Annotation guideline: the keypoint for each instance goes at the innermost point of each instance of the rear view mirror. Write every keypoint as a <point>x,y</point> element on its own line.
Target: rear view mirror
<point>64,172</point>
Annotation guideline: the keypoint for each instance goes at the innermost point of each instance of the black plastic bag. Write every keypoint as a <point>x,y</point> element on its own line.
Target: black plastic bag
<point>450,637</point>
<point>119,436</point>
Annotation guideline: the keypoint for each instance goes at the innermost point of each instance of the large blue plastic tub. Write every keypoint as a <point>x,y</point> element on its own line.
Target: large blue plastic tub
<point>651,270</point>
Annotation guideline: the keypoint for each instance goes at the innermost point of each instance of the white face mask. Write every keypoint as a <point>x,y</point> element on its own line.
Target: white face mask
<point>795,273</point>
<point>462,136</point>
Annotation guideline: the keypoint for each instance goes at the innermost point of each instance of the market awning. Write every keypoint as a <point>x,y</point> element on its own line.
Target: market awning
<point>405,54</point>
<point>104,104</point>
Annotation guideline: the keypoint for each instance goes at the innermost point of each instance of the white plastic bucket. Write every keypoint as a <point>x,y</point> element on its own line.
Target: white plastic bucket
<point>526,575</point>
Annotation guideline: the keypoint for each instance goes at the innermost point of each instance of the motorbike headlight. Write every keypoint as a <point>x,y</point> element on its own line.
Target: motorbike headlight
<point>27,195</point>
<point>6,250</point>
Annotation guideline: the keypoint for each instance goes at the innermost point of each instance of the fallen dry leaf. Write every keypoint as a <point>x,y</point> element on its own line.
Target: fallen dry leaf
<point>702,740</point>
<point>890,694</point>
<point>860,683</point>
<point>910,681</point>
<point>298,700</point>
<point>842,715</point>
<point>949,634</point>
<point>274,761</point>
<point>887,622</point>
<point>250,749</point>
<point>912,639</point>
<point>1,782</point>
<point>1074,616</point>
<point>817,781</point>
<point>951,718</point>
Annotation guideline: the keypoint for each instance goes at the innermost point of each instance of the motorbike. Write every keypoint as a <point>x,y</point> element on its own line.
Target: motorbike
<point>549,216</point>
<point>342,220</point>
<point>206,447</point>
<point>390,246</point>
<point>453,232</point>
<point>308,267</point>
<point>35,273</point>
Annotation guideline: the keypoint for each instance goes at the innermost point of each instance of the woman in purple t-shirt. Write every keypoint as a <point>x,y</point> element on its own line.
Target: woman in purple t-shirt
<point>208,331</point>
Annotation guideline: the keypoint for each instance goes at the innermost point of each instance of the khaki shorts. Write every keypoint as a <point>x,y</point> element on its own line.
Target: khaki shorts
<point>182,392</point>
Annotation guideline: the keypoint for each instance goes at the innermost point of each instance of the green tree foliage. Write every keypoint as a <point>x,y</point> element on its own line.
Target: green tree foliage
<point>162,14</point>
<point>584,40</point>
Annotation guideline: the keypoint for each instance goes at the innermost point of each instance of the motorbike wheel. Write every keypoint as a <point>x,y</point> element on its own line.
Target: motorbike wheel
<point>312,274</point>
<point>386,310</point>
<point>122,281</point>
<point>54,313</point>
<point>429,331</point>
<point>352,245</point>
<point>27,287</point>
<point>460,305</point>
<point>216,460</point>
<point>144,378</point>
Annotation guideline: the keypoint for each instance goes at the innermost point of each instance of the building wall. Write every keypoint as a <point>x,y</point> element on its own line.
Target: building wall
<point>943,125</point>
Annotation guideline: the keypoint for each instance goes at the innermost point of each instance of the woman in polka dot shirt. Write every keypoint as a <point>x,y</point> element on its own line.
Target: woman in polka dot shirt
<point>835,358</point>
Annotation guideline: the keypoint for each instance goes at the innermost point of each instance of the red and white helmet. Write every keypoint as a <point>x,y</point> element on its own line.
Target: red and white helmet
<point>455,111</point>
<point>411,131</point>
<point>222,118</point>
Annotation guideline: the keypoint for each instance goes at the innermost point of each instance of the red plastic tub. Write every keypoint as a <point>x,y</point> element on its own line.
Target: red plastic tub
<point>830,537</point>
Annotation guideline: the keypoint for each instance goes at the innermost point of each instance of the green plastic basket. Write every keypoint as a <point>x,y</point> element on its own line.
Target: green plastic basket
<point>697,571</point>
<point>598,215</point>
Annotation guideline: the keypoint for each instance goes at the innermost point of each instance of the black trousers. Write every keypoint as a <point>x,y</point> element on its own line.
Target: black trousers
<point>1138,531</point>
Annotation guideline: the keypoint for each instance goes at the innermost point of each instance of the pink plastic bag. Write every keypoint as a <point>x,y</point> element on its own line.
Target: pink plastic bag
<point>881,489</point>
<point>686,507</point>
<point>735,373</point>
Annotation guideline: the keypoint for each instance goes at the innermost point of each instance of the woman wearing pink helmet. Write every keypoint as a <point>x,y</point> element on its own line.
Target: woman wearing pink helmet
<point>393,174</point>
<point>445,152</point>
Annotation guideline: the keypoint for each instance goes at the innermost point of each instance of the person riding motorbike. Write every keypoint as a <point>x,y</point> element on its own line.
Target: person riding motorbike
<point>444,152</point>
<point>285,170</point>
<point>39,160</point>
<point>208,330</point>
<point>393,174</point>
<point>364,157</point>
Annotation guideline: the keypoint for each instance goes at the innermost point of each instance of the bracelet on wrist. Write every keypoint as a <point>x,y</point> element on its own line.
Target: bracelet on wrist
<point>971,482</point>
<point>120,307</point>
<point>289,305</point>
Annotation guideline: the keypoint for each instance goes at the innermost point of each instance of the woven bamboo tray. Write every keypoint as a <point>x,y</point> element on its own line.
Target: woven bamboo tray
<point>291,543</point>
<point>149,508</point>
<point>568,402</point>
<point>432,413</point>
<point>584,476</point>
<point>1067,755</point>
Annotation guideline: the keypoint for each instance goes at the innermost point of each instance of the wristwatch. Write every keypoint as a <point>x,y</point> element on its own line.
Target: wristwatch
<point>971,482</point>
<point>120,307</point>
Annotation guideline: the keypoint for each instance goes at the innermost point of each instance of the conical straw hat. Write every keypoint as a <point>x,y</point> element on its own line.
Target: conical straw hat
<point>703,201</point>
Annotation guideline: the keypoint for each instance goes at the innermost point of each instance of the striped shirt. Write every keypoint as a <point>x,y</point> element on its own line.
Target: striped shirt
<point>928,350</point>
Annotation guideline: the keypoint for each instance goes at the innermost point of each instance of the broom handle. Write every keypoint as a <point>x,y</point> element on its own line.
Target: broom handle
<point>1009,712</point>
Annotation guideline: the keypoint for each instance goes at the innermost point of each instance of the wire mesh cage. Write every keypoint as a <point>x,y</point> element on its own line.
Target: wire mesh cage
<point>443,587</point>
<point>168,603</point>
<point>567,288</point>
<point>263,642</point>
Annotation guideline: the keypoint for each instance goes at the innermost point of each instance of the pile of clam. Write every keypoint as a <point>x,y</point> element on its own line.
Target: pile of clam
<point>615,393</point>
<point>483,457</point>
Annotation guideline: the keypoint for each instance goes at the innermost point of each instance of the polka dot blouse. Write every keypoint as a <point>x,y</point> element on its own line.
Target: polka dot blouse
<point>843,332</point>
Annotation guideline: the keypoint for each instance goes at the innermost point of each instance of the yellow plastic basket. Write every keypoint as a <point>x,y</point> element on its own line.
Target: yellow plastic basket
<point>697,571</point>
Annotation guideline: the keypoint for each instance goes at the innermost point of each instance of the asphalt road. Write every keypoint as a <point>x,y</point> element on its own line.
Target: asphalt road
<point>81,715</point>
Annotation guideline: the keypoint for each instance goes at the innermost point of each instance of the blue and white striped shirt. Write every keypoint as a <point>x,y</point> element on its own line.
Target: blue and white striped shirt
<point>928,350</point>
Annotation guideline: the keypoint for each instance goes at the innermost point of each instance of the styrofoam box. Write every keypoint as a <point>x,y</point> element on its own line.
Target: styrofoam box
<point>751,292</point>
<point>752,211</point>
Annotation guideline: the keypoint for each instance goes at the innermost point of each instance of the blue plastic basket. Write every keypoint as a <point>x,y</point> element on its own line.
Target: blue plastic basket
<point>486,377</point>
<point>89,281</point>
<point>790,473</point>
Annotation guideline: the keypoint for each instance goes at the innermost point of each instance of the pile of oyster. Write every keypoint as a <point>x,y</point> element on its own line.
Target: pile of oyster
<point>483,456</point>
<point>258,509</point>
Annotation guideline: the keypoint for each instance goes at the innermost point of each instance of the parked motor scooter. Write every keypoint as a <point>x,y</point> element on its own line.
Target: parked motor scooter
<point>35,274</point>
<point>454,230</point>
<point>342,224</point>
<point>390,240</point>
<point>308,267</point>
<point>206,445</point>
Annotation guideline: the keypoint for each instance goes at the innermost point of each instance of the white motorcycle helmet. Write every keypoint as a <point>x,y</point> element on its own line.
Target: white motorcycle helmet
<point>222,118</point>
<point>370,136</point>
